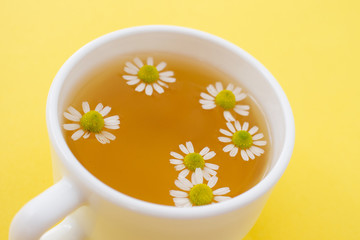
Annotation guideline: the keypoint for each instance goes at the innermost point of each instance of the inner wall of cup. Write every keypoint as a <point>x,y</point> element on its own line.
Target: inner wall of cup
<point>213,51</point>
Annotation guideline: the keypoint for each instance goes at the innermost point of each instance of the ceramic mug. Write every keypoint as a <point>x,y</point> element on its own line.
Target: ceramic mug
<point>93,210</point>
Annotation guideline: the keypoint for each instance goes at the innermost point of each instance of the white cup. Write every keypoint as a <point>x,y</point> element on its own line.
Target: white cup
<point>93,210</point>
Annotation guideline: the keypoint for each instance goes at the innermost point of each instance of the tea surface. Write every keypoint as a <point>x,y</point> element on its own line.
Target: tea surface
<point>136,163</point>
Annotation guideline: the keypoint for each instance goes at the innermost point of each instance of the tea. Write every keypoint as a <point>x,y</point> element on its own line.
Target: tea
<point>170,109</point>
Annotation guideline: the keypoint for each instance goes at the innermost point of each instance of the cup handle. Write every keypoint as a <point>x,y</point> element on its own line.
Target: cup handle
<point>45,210</point>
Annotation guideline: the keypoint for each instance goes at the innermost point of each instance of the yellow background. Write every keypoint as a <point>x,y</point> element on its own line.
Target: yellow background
<point>310,46</point>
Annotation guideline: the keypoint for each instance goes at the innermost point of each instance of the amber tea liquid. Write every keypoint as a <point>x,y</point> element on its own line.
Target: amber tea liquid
<point>136,163</point>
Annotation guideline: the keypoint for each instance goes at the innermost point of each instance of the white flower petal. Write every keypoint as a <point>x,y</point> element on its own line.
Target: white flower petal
<point>78,134</point>
<point>259,143</point>
<point>209,155</point>
<point>250,154</point>
<point>168,79</point>
<point>184,173</point>
<point>71,126</point>
<point>211,89</point>
<point>204,151</point>
<point>228,148</point>
<point>237,126</point>
<point>244,155</point>
<point>99,107</point>
<point>176,155</point>
<point>241,112</point>
<point>212,166</point>
<point>108,135</point>
<point>176,161</point>
<point>253,130</point>
<point>130,70</point>
<point>234,151</point>
<point>129,77</point>
<point>224,139</point>
<point>112,122</point>
<point>162,84</point>
<point>158,88</point>
<point>71,117</point>
<point>197,177</point>
<point>133,82</point>
<point>208,106</point>
<point>219,86</point>
<point>150,61</point>
<point>245,126</point>
<point>210,171</point>
<point>228,116</point>
<point>221,198</point>
<point>256,150</point>
<point>138,62</point>
<point>112,126</point>
<point>86,107</point>
<point>190,147</point>
<point>188,205</point>
<point>181,202</point>
<point>140,87</point>
<point>230,127</point>
<point>74,112</point>
<point>186,182</point>
<point>86,135</point>
<point>226,132</point>
<point>237,91</point>
<point>183,149</point>
<point>176,193</point>
<point>239,97</point>
<point>101,138</point>
<point>179,167</point>
<point>131,65</point>
<point>206,176</point>
<point>230,87</point>
<point>221,191</point>
<point>212,181</point>
<point>258,136</point>
<point>112,119</point>
<point>207,96</point>
<point>161,66</point>
<point>166,74</point>
<point>182,186</point>
<point>105,111</point>
<point>206,102</point>
<point>148,90</point>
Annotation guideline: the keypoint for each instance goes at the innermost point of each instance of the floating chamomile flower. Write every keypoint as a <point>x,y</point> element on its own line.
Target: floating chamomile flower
<point>147,76</point>
<point>92,121</point>
<point>226,99</point>
<point>196,193</point>
<point>193,160</point>
<point>243,139</point>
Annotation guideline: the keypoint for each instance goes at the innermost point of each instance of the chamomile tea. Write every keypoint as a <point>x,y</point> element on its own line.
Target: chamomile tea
<point>167,129</point>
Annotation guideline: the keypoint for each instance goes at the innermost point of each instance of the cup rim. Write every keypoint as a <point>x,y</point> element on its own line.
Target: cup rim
<point>92,184</point>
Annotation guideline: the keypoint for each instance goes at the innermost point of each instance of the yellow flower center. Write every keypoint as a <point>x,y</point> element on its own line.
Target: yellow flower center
<point>148,74</point>
<point>201,194</point>
<point>225,99</point>
<point>242,139</point>
<point>193,161</point>
<point>92,121</point>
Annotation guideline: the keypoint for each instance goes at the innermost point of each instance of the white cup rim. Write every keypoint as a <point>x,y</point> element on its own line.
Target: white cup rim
<point>83,176</point>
